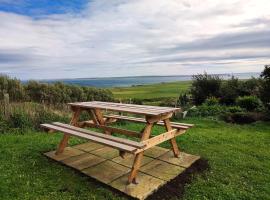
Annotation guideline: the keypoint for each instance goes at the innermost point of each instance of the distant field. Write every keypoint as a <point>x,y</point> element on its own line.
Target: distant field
<point>159,90</point>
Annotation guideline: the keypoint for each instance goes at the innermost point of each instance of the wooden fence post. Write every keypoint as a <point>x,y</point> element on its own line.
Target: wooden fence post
<point>6,104</point>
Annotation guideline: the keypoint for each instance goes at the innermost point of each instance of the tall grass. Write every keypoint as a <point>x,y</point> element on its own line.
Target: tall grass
<point>17,117</point>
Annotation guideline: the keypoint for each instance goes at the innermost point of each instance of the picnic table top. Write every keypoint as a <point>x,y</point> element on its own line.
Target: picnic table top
<point>130,108</point>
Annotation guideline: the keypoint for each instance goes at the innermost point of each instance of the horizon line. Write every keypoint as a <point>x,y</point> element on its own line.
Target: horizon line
<point>106,77</point>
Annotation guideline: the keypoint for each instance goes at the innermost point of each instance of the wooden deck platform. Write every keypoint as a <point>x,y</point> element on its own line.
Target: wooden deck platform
<point>105,165</point>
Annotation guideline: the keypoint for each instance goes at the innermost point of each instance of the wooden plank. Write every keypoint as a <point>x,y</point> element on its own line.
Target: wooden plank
<point>128,161</point>
<point>173,140</point>
<point>160,138</point>
<point>135,106</point>
<point>74,121</point>
<point>147,185</point>
<point>99,117</point>
<point>92,114</point>
<point>138,109</point>
<point>113,129</point>
<point>138,158</point>
<point>154,119</point>
<point>109,137</point>
<point>114,109</point>
<point>83,161</point>
<point>107,142</point>
<point>162,170</point>
<point>106,152</point>
<point>135,167</point>
<point>106,171</point>
<point>185,160</point>
<point>141,120</point>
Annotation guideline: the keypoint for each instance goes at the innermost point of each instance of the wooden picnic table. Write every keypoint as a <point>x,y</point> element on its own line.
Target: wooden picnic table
<point>152,115</point>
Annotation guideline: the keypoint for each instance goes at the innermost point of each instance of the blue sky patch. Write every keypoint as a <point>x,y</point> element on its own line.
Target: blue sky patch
<point>36,8</point>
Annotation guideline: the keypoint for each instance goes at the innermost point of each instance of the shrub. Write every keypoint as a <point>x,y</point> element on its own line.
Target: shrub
<point>170,102</point>
<point>211,101</point>
<point>23,116</point>
<point>183,100</point>
<point>4,124</point>
<point>206,111</point>
<point>234,109</point>
<point>204,86</point>
<point>213,110</point>
<point>229,91</point>
<point>137,101</point>
<point>244,117</point>
<point>20,120</point>
<point>42,114</point>
<point>250,103</point>
<point>265,87</point>
<point>240,117</point>
<point>53,94</point>
<point>266,73</point>
<point>249,87</point>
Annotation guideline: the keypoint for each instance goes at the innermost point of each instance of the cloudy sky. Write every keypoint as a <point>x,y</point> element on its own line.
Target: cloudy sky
<point>44,39</point>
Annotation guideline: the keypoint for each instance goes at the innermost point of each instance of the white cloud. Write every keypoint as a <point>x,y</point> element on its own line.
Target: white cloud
<point>142,37</point>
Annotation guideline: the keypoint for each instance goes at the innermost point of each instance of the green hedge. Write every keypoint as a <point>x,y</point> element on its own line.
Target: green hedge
<point>56,93</point>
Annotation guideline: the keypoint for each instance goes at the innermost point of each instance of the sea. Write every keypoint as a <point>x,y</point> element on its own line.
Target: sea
<point>109,82</point>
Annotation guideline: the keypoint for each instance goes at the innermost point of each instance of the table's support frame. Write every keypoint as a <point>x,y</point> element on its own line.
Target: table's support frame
<point>73,122</point>
<point>138,157</point>
<point>173,142</point>
<point>97,114</point>
<point>97,117</point>
<point>145,136</point>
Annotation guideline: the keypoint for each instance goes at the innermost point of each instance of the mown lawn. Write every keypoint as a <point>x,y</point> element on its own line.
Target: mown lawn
<point>239,159</point>
<point>160,90</point>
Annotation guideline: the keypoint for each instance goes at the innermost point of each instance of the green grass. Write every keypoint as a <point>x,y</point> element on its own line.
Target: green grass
<point>152,91</point>
<point>238,156</point>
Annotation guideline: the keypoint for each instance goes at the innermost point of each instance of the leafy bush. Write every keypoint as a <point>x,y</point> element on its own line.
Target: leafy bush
<point>250,103</point>
<point>44,115</point>
<point>20,120</point>
<point>229,91</point>
<point>170,102</point>
<point>183,100</point>
<point>13,87</point>
<point>234,109</point>
<point>52,94</point>
<point>265,87</point>
<point>4,124</point>
<point>211,101</point>
<point>213,110</point>
<point>249,87</point>
<point>244,117</point>
<point>137,101</point>
<point>205,111</point>
<point>204,86</point>
<point>240,117</point>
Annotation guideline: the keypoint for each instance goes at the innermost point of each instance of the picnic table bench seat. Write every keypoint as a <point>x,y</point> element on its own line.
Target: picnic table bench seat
<point>176,125</point>
<point>108,140</point>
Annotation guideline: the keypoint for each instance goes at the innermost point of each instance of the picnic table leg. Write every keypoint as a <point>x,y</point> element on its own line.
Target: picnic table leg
<point>65,139</point>
<point>93,116</point>
<point>139,156</point>
<point>175,148</point>
<point>98,116</point>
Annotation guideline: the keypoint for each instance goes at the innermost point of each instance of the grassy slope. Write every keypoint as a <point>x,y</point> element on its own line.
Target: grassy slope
<point>172,89</point>
<point>239,159</point>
